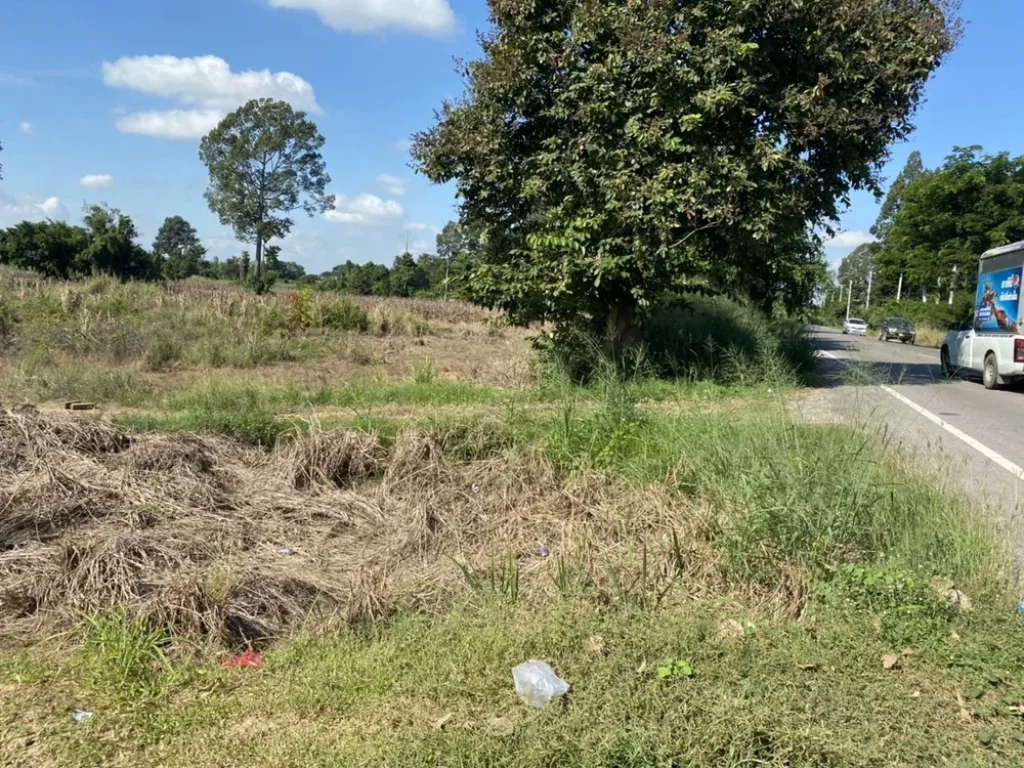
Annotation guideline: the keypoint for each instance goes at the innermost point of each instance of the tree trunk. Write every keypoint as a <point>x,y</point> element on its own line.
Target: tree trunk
<point>259,255</point>
<point>622,333</point>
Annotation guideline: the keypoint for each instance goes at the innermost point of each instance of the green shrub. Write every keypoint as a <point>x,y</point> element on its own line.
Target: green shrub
<point>127,656</point>
<point>8,323</point>
<point>344,315</point>
<point>262,284</point>
<point>163,351</point>
<point>695,338</point>
<point>723,341</point>
<point>301,309</point>
<point>423,373</point>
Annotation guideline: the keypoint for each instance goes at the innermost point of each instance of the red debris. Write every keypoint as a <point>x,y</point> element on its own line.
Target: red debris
<point>246,659</point>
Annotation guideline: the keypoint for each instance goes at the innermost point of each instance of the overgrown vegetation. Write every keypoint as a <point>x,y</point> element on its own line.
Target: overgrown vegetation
<point>779,563</point>
<point>616,517</point>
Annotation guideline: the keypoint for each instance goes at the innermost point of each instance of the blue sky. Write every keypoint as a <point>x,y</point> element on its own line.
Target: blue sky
<point>105,101</point>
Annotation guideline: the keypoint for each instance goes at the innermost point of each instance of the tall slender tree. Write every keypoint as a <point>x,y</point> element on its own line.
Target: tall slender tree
<point>264,163</point>
<point>894,199</point>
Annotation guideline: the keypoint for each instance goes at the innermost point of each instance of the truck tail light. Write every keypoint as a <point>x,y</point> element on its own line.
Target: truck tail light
<point>1018,350</point>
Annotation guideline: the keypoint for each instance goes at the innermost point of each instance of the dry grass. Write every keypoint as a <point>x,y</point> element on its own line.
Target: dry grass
<point>930,337</point>
<point>114,343</point>
<point>219,543</point>
<point>341,459</point>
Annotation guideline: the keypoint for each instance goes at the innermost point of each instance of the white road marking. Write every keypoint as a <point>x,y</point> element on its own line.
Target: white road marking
<point>977,445</point>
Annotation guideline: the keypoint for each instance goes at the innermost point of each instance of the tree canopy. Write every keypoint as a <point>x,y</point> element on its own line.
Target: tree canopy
<point>178,249</point>
<point>951,215</point>
<point>612,150</point>
<point>51,248</point>
<point>264,163</point>
<point>855,268</point>
<point>894,197</point>
<point>105,244</point>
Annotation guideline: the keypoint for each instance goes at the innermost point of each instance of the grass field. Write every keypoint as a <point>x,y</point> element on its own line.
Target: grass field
<point>719,584</point>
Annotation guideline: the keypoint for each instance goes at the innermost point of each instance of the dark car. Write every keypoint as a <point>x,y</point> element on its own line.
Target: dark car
<point>897,328</point>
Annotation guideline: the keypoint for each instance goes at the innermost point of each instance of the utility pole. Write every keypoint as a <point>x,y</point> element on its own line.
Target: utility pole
<point>952,286</point>
<point>849,298</point>
<point>899,289</point>
<point>871,274</point>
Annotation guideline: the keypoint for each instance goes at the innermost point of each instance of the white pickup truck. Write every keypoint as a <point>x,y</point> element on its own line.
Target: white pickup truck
<point>992,342</point>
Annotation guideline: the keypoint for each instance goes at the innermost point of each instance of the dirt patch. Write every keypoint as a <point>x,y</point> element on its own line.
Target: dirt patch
<point>216,541</point>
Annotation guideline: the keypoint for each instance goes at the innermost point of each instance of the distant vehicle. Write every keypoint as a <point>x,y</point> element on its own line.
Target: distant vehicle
<point>856,327</point>
<point>898,328</point>
<point>992,342</point>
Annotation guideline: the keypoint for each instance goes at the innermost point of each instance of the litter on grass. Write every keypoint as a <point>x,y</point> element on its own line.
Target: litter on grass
<point>245,659</point>
<point>537,684</point>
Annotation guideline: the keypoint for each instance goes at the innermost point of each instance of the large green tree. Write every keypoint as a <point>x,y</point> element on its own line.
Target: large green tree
<point>264,163</point>
<point>178,248</point>
<point>950,216</point>
<point>407,277</point>
<point>112,248</point>
<point>51,248</point>
<point>610,150</point>
<point>894,197</point>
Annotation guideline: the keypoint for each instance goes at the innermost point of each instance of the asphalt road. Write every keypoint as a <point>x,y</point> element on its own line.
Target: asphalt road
<point>972,438</point>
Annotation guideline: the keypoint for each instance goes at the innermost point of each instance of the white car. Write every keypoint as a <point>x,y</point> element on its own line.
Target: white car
<point>856,327</point>
<point>999,358</point>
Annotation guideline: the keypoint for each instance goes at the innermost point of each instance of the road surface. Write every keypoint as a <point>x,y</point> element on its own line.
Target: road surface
<point>972,438</point>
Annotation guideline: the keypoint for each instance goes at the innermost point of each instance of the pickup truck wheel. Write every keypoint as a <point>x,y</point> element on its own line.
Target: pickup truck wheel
<point>990,374</point>
<point>947,366</point>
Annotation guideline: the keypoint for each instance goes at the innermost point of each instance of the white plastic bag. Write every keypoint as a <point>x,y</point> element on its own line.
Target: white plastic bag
<point>537,684</point>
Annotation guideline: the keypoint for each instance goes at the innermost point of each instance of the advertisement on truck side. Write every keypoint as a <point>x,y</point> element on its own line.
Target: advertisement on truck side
<point>997,307</point>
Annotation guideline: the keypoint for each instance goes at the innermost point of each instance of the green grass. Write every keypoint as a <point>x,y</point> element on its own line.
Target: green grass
<point>93,383</point>
<point>786,694</point>
<point>256,428</point>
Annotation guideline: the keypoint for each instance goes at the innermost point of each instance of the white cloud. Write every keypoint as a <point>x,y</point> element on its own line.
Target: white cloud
<point>393,185</point>
<point>416,226</point>
<point>849,240</point>
<point>402,145</point>
<point>25,127</point>
<point>181,124</point>
<point>421,246</point>
<point>364,209</point>
<point>432,17</point>
<point>53,208</point>
<point>96,180</point>
<point>17,208</point>
<point>205,88</point>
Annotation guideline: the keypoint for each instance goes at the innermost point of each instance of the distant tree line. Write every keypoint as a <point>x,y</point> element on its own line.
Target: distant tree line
<point>106,243</point>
